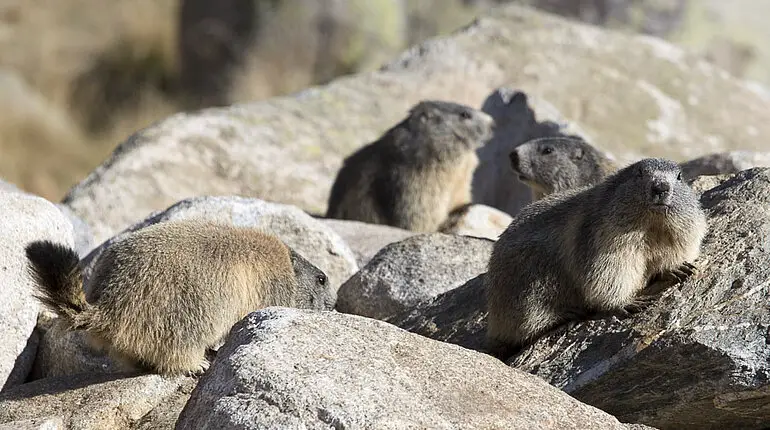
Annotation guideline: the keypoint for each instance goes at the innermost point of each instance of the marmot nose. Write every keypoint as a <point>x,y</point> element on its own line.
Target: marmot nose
<point>514,157</point>
<point>660,190</point>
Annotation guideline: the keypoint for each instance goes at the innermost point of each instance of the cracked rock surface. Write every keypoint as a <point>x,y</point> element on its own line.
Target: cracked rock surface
<point>287,368</point>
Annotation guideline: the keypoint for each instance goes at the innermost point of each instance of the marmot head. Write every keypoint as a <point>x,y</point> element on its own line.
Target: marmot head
<point>313,288</point>
<point>654,188</point>
<point>448,123</point>
<point>553,164</point>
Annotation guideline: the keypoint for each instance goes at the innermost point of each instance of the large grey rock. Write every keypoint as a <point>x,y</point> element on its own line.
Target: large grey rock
<point>285,368</point>
<point>63,352</point>
<point>366,240</point>
<point>82,231</point>
<point>633,95</point>
<point>84,239</point>
<point>724,163</point>
<point>476,221</point>
<point>457,316</point>
<point>25,218</point>
<point>92,402</point>
<point>35,424</point>
<point>417,268</point>
<point>697,358</point>
<point>306,235</point>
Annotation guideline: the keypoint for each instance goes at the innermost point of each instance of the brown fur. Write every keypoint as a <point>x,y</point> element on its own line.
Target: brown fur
<point>168,292</point>
<point>591,251</point>
<point>417,172</point>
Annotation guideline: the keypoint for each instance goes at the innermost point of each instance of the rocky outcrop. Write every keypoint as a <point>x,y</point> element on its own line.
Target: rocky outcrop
<point>405,273</point>
<point>285,368</point>
<point>96,402</point>
<point>697,358</point>
<point>633,95</point>
<point>25,219</point>
<point>476,221</point>
<point>724,163</point>
<point>366,240</point>
<point>457,316</point>
<point>62,352</point>
<point>309,237</point>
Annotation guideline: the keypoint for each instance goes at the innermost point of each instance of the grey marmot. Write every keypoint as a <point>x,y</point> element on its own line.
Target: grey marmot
<point>553,164</point>
<point>169,292</point>
<point>591,252</point>
<point>416,172</point>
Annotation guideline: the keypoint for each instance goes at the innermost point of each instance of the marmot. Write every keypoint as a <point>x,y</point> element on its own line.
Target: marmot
<point>169,292</point>
<point>417,172</point>
<point>589,252</point>
<point>553,164</point>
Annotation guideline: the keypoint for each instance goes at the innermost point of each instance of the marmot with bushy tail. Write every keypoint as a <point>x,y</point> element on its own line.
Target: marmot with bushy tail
<point>597,250</point>
<point>168,293</point>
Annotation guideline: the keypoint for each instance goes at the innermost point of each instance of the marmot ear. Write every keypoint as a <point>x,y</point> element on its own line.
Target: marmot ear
<point>578,153</point>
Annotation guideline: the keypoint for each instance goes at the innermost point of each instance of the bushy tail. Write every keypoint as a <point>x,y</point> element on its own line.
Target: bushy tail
<point>59,282</point>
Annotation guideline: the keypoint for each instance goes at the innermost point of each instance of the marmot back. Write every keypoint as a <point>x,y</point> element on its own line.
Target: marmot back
<point>554,164</point>
<point>417,172</point>
<point>168,292</point>
<point>591,251</point>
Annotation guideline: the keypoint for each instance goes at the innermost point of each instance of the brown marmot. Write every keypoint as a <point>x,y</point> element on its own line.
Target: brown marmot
<point>417,172</point>
<point>167,293</point>
<point>590,251</point>
<point>553,164</point>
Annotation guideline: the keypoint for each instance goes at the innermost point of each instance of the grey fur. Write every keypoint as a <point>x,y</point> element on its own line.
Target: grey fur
<point>168,292</point>
<point>553,164</point>
<point>590,251</point>
<point>417,172</point>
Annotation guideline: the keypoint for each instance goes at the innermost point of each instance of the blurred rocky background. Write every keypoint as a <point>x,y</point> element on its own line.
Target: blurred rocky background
<point>78,76</point>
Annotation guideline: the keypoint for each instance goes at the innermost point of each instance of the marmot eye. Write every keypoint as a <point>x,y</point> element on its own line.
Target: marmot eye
<point>321,279</point>
<point>679,176</point>
<point>465,114</point>
<point>547,150</point>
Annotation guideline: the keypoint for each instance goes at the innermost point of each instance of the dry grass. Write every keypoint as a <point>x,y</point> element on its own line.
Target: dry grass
<point>44,143</point>
<point>79,76</point>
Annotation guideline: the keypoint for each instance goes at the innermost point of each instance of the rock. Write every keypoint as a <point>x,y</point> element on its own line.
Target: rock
<point>285,368</point>
<point>35,424</point>
<point>494,183</point>
<point>84,239</point>
<point>309,237</point>
<point>62,352</point>
<point>457,316</point>
<point>165,415</point>
<point>83,236</point>
<point>9,187</point>
<point>477,221</point>
<point>698,358</point>
<point>366,239</point>
<point>633,95</point>
<point>724,163</point>
<point>408,272</point>
<point>109,402</point>
<point>25,218</point>
<point>701,184</point>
